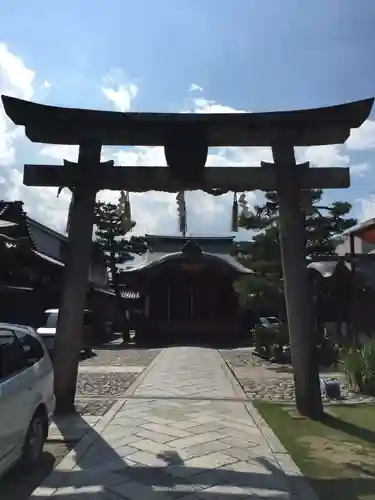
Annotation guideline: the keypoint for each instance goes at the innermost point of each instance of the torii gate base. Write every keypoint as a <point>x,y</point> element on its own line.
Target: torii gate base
<point>282,131</point>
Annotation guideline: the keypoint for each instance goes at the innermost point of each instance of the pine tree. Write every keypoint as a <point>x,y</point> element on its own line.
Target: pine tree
<point>264,290</point>
<point>110,235</point>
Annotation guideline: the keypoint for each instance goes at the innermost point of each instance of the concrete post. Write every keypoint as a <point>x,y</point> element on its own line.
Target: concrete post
<point>298,296</point>
<point>71,312</point>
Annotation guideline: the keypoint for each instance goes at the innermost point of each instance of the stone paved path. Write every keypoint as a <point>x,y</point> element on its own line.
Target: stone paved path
<point>186,432</point>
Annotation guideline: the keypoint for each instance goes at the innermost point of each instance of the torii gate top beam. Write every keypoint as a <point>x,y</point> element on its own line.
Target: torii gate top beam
<point>57,125</point>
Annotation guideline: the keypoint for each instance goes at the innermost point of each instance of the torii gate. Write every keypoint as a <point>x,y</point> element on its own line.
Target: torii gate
<point>186,139</point>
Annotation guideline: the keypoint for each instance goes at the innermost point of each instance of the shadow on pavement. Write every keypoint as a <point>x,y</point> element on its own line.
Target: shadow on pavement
<point>101,473</point>
<point>19,484</point>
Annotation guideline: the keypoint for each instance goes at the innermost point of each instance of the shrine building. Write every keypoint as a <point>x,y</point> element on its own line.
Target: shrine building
<point>186,289</point>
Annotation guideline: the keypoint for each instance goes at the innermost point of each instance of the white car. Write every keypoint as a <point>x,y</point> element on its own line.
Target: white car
<point>47,332</point>
<point>269,322</point>
<point>27,400</point>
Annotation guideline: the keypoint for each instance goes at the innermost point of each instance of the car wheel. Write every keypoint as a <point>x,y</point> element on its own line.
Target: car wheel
<point>35,439</point>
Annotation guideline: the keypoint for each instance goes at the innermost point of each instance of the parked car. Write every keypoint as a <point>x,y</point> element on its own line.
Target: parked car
<point>47,332</point>
<point>269,322</point>
<point>27,401</point>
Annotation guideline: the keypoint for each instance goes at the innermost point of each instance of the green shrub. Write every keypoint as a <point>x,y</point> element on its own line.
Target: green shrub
<point>268,340</point>
<point>359,366</point>
<point>368,356</point>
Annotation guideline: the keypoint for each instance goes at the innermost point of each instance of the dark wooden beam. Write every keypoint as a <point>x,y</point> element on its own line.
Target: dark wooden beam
<point>142,179</point>
<point>57,125</point>
<point>344,258</point>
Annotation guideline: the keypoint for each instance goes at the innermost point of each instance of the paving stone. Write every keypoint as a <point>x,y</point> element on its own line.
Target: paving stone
<point>211,461</point>
<point>159,438</point>
<point>137,491</point>
<point>204,428</point>
<point>203,449</point>
<point>186,442</point>
<point>196,440</point>
<point>151,446</point>
<point>168,430</point>
<point>147,458</point>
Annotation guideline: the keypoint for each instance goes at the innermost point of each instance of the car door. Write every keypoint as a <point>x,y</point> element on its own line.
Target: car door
<point>31,377</point>
<point>12,398</point>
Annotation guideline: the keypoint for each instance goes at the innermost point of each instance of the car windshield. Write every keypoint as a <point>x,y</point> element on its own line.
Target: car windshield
<point>50,319</point>
<point>273,321</point>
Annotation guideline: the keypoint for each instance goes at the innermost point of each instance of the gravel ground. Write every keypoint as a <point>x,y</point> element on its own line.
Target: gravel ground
<point>117,355</point>
<point>18,485</point>
<point>93,407</point>
<point>267,381</point>
<point>109,385</point>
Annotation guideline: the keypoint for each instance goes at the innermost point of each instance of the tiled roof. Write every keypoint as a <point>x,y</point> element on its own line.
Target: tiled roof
<point>220,259</point>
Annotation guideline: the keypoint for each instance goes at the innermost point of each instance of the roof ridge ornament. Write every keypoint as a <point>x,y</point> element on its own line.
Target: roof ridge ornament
<point>191,250</point>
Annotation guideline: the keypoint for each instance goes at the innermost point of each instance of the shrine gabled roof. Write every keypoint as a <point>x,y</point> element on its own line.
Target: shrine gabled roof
<point>58,125</point>
<point>170,244</point>
<point>364,269</point>
<point>220,260</point>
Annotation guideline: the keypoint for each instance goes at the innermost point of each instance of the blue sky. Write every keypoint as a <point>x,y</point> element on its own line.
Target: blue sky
<point>253,55</point>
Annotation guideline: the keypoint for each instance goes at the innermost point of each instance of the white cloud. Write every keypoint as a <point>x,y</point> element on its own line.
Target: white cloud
<point>323,156</point>
<point>195,88</point>
<point>367,207</point>
<point>362,138</point>
<point>154,212</point>
<point>15,80</point>
<point>206,106</point>
<point>119,92</point>
<point>45,85</point>
<point>360,169</point>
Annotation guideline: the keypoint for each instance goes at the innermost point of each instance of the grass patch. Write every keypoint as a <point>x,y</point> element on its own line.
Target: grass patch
<point>336,455</point>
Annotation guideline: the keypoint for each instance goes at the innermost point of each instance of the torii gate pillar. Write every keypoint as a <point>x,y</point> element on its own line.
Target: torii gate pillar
<point>298,297</point>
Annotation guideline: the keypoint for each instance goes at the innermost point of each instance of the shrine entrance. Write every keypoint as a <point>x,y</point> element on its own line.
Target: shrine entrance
<point>185,305</point>
<point>188,296</point>
<point>186,139</point>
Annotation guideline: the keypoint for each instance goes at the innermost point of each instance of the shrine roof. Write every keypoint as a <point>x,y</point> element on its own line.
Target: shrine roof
<point>218,259</point>
<point>364,269</point>
<point>182,239</point>
<point>171,244</point>
<point>59,125</point>
<point>364,230</point>
<point>44,241</point>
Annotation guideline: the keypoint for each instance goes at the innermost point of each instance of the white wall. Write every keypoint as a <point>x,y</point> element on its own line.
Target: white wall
<point>360,246</point>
